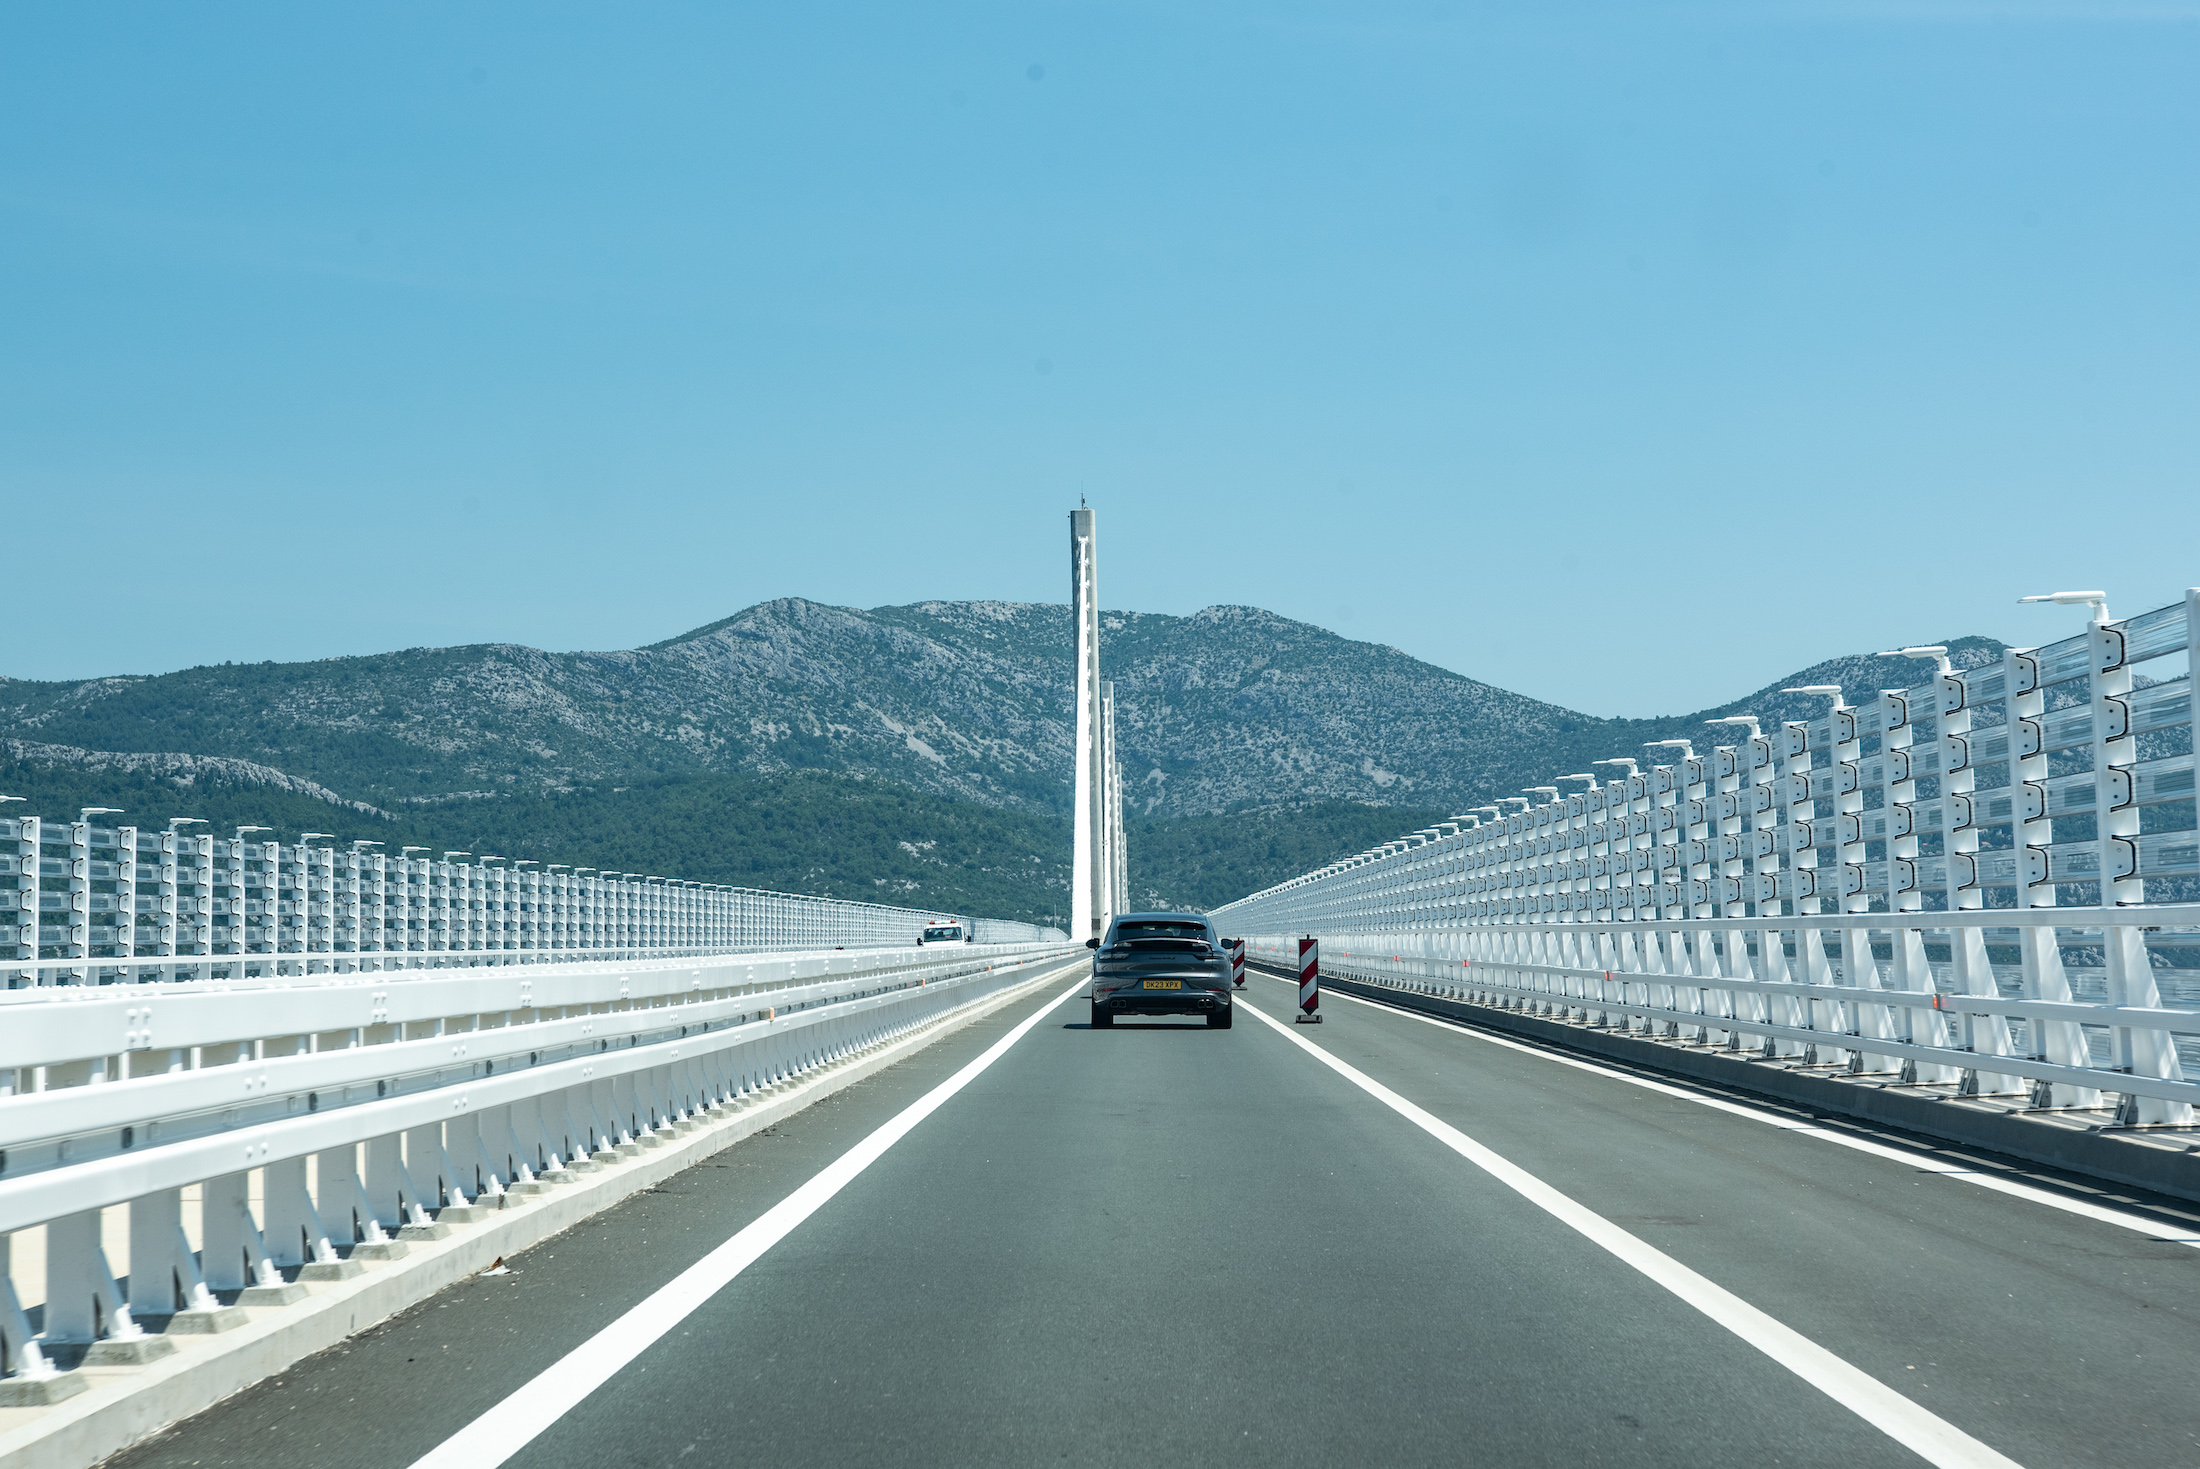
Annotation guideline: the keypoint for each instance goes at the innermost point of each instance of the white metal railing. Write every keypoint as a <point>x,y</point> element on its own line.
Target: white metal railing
<point>351,1105</point>
<point>83,902</point>
<point>1951,884</point>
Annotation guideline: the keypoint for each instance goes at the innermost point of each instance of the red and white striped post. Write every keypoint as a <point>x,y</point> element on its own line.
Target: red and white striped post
<point>1310,981</point>
<point>1237,962</point>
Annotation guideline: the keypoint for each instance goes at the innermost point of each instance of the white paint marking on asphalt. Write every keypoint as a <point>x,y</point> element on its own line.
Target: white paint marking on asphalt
<point>1924,1433</point>
<point>1924,1162</point>
<point>509,1426</point>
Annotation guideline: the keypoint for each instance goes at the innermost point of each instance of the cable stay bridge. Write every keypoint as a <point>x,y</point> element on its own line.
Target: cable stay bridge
<point>1811,1091</point>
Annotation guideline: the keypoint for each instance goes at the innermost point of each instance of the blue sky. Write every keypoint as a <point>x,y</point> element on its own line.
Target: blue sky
<point>1627,355</point>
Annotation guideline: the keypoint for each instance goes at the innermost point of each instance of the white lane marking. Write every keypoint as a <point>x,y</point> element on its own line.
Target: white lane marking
<point>1924,1433</point>
<point>1924,1162</point>
<point>509,1426</point>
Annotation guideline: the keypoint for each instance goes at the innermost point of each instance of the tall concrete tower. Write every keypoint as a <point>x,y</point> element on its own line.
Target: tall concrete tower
<point>1111,769</point>
<point>1088,897</point>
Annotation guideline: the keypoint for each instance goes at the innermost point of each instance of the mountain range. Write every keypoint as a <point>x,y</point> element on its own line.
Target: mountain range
<point>920,753</point>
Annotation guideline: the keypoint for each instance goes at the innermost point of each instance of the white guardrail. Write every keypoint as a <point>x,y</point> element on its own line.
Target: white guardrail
<point>363,1107</point>
<point>1949,886</point>
<point>83,902</point>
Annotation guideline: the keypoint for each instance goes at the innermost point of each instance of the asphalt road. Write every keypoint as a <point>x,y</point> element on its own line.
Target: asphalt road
<point>1168,1244</point>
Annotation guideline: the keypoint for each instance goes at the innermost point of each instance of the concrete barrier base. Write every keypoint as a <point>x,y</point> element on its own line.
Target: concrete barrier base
<point>41,1392</point>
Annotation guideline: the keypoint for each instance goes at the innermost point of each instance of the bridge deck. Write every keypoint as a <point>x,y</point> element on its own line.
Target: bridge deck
<point>1169,1244</point>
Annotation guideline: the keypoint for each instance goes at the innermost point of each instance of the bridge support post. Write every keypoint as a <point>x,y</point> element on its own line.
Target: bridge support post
<point>156,1272</point>
<point>600,1120</point>
<point>552,1126</point>
<point>430,1167</point>
<point>235,1255</point>
<point>31,1380</point>
<point>345,1196</point>
<point>488,1148</point>
<point>84,1302</point>
<point>392,1191</point>
<point>294,1226</point>
<point>523,1136</point>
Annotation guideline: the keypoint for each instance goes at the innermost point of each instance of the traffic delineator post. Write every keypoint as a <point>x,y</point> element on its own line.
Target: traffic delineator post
<point>1310,981</point>
<point>1237,963</point>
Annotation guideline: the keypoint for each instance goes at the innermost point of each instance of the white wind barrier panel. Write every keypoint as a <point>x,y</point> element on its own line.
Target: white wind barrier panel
<point>87,903</point>
<point>257,1132</point>
<point>1985,882</point>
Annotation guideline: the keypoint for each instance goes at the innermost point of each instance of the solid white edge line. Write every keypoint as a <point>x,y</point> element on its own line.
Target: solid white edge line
<point>522,1416</point>
<point>1924,1162</point>
<point>1924,1433</point>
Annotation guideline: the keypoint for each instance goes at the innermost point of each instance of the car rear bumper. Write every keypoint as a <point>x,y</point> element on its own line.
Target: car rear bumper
<point>1163,1002</point>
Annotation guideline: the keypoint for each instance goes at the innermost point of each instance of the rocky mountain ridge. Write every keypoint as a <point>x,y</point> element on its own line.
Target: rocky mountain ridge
<point>1229,709</point>
<point>917,754</point>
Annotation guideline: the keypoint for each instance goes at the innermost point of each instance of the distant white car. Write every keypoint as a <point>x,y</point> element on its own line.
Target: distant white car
<point>945,931</point>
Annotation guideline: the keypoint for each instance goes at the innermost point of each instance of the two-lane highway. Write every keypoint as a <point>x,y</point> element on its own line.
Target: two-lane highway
<point>1164,1243</point>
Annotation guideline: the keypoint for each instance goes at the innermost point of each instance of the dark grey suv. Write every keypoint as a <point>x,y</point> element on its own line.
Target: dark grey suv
<point>1160,964</point>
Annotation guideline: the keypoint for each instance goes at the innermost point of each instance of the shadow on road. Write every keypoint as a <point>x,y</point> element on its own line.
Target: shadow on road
<point>1194,1023</point>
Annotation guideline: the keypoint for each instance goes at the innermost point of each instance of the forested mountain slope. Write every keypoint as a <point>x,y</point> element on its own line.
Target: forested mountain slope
<point>1277,740</point>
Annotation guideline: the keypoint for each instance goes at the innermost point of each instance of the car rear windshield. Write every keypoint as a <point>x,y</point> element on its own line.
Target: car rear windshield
<point>942,933</point>
<point>1160,929</point>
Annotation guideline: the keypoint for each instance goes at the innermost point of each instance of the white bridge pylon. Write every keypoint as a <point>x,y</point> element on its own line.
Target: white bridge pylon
<point>1099,881</point>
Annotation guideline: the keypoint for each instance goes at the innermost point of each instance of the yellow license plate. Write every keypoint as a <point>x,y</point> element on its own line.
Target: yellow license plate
<point>1164,984</point>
